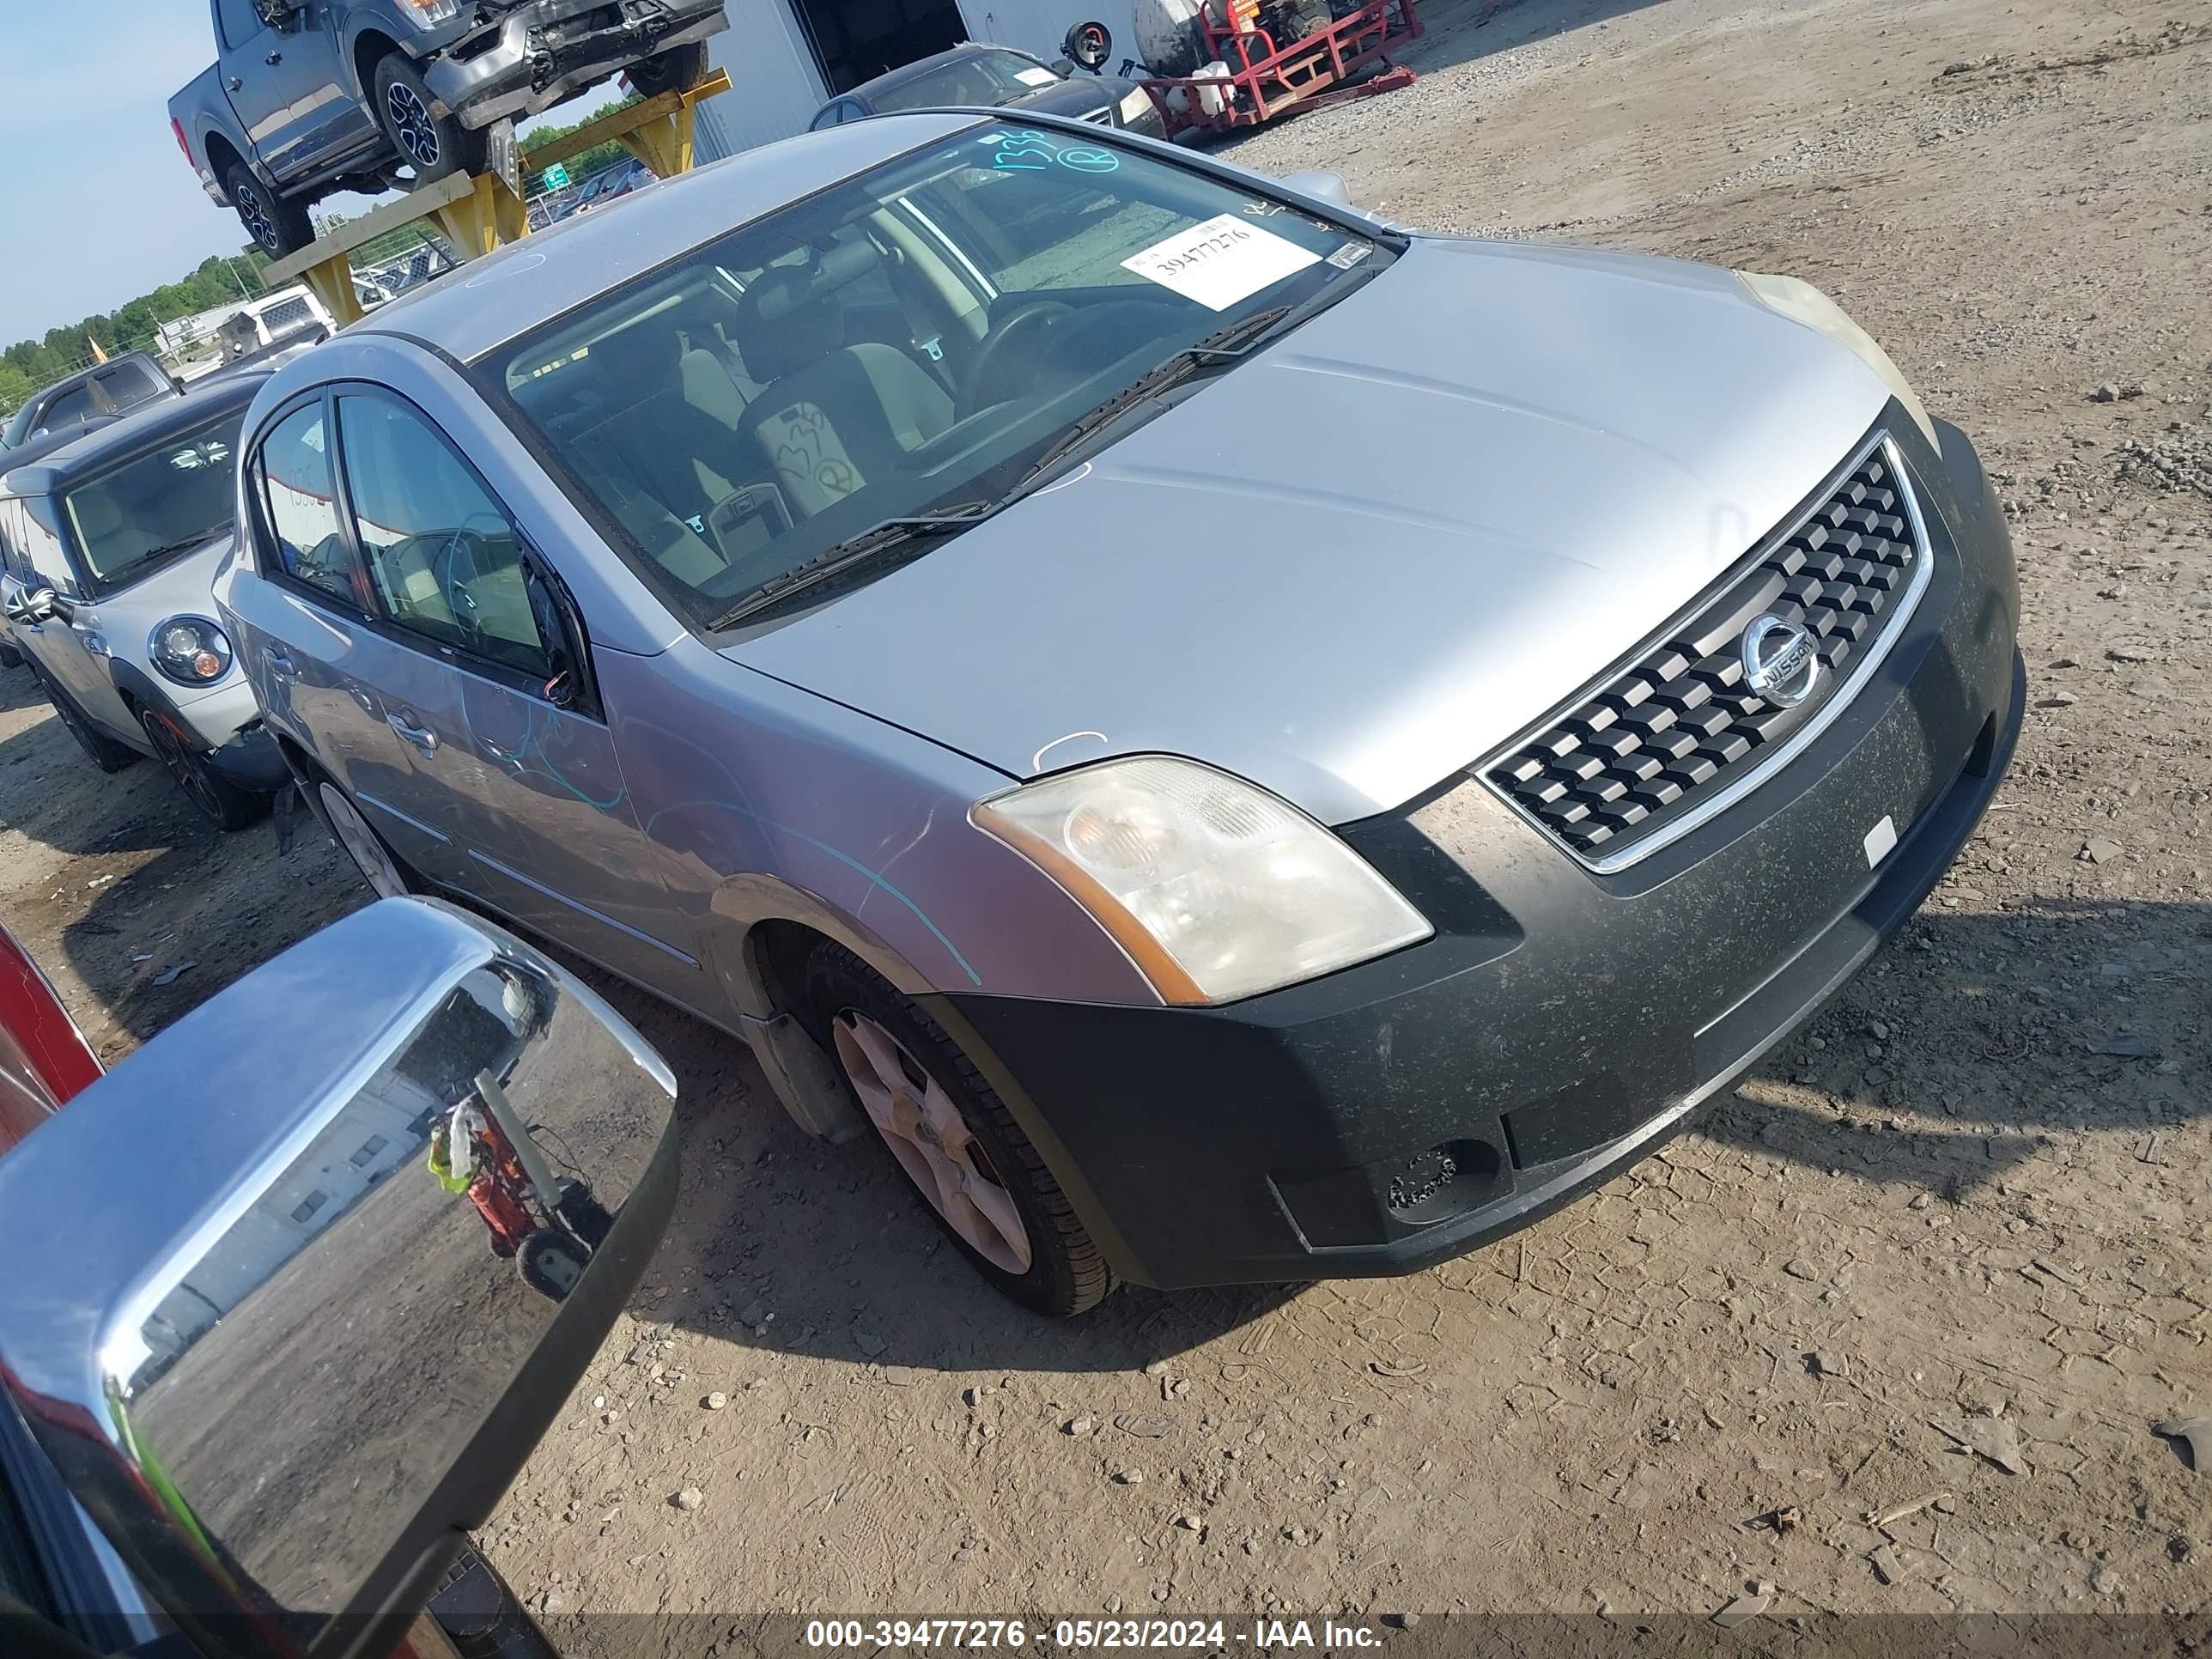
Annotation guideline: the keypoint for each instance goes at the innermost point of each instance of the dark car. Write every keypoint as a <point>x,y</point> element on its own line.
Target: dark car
<point>91,397</point>
<point>975,75</point>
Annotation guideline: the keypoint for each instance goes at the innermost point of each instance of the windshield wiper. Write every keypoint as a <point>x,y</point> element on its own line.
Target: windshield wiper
<point>871,544</point>
<point>1224,345</point>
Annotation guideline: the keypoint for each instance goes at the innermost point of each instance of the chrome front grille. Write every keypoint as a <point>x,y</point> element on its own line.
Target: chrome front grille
<point>1679,730</point>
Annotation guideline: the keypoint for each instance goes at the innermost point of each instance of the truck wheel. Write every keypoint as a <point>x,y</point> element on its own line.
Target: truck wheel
<point>433,145</point>
<point>678,69</point>
<point>106,754</point>
<point>956,1141</point>
<point>278,225</point>
<point>220,800</point>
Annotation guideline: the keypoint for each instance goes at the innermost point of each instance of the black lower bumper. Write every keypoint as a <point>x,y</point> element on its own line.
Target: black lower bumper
<point>1562,1023</point>
<point>252,761</point>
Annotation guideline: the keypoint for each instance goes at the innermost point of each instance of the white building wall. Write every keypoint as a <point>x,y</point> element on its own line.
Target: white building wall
<point>774,86</point>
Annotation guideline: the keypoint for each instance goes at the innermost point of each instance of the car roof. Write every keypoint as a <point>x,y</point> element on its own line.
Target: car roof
<point>467,312</point>
<point>149,424</point>
<point>923,66</point>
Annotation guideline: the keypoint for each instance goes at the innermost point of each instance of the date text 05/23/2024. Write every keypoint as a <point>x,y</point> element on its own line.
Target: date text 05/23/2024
<point>1187,1635</point>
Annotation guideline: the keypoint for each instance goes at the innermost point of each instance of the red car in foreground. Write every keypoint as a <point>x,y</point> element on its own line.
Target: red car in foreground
<point>44,1058</point>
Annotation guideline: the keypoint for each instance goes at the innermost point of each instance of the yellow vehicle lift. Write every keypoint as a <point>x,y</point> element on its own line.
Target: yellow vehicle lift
<point>476,213</point>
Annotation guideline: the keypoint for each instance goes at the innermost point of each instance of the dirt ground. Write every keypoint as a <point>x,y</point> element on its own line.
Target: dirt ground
<point>1949,1244</point>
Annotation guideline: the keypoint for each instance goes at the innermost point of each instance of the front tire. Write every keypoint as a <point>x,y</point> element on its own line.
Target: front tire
<point>678,69</point>
<point>222,802</point>
<point>955,1140</point>
<point>277,224</point>
<point>104,752</point>
<point>433,146</point>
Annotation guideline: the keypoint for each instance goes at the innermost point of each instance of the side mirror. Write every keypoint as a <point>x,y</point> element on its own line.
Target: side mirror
<point>39,605</point>
<point>1326,186</point>
<point>1088,45</point>
<point>293,1292</point>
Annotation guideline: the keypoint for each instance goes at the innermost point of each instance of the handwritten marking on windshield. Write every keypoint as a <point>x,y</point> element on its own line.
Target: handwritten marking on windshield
<point>1026,151</point>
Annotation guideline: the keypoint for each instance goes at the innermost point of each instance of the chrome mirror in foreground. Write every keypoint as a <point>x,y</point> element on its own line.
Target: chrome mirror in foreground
<point>292,1293</point>
<point>1326,186</point>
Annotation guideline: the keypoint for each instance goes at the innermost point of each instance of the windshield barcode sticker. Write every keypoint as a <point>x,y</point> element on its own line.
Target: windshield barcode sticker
<point>1036,77</point>
<point>1219,263</point>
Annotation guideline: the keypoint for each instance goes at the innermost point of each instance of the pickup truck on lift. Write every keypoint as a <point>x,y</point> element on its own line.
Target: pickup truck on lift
<point>307,98</point>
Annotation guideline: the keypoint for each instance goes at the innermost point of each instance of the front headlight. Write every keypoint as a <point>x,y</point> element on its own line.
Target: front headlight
<point>1216,889</point>
<point>431,13</point>
<point>1799,300</point>
<point>189,650</point>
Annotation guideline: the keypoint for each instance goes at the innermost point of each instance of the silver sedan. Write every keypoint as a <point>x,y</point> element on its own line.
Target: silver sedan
<point>1241,742</point>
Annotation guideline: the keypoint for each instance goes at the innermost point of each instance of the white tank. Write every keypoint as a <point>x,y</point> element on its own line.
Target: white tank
<point>1168,38</point>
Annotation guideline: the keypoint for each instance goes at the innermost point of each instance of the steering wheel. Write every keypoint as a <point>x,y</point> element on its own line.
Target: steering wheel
<point>1031,318</point>
<point>454,586</point>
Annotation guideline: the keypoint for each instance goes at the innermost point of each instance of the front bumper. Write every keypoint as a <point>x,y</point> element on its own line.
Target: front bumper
<point>1562,1023</point>
<point>226,724</point>
<point>531,57</point>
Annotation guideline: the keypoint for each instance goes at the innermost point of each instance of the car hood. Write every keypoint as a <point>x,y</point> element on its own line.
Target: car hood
<point>1376,552</point>
<point>183,588</point>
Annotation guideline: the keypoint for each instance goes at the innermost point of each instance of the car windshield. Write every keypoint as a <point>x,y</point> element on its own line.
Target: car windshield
<point>915,339</point>
<point>981,78</point>
<point>164,501</point>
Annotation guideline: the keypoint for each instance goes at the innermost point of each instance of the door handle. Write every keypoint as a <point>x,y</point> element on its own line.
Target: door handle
<point>421,739</point>
<point>280,663</point>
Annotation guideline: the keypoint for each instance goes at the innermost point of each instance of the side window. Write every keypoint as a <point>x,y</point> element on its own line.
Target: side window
<point>299,496</point>
<point>442,555</point>
<point>239,20</point>
<point>71,408</point>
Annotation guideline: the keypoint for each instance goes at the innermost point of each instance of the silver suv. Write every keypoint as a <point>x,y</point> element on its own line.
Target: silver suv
<point>107,549</point>
<point>1243,743</point>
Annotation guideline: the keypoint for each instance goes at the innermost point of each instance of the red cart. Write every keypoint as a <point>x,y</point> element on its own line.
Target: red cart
<point>1265,81</point>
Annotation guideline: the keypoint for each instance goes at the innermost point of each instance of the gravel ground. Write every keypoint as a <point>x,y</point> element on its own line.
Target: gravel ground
<point>1949,1244</point>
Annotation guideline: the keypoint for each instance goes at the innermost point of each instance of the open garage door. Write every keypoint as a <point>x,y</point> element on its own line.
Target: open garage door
<point>855,39</point>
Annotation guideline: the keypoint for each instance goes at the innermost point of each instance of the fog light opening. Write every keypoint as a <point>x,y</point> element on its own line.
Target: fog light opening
<point>1443,1181</point>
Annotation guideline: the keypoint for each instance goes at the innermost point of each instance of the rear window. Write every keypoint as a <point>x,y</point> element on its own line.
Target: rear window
<point>130,383</point>
<point>987,78</point>
<point>161,504</point>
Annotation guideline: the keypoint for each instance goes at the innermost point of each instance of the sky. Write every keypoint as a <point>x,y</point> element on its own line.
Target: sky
<point>96,204</point>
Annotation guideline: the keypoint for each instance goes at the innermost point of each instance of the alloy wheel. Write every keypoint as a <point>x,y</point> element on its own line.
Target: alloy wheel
<point>362,844</point>
<point>187,768</point>
<point>411,124</point>
<point>260,223</point>
<point>932,1141</point>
